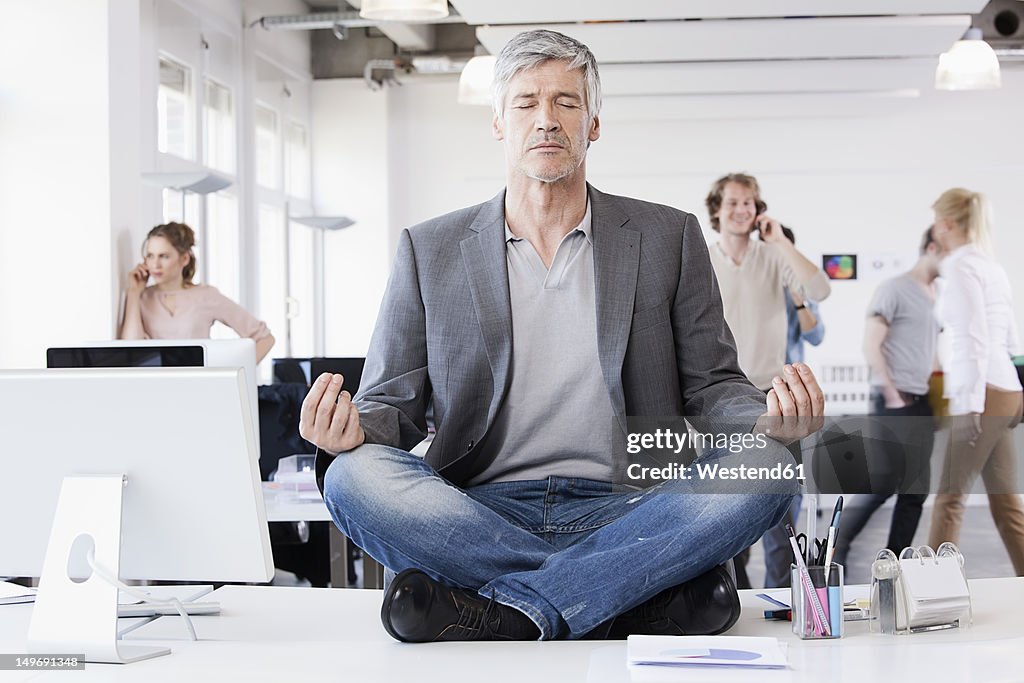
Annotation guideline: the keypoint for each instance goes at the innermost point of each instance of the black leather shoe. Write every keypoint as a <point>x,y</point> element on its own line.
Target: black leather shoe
<point>418,609</point>
<point>706,605</point>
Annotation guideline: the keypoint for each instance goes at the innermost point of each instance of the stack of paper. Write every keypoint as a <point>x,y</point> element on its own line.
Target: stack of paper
<point>12,593</point>
<point>936,591</point>
<point>734,651</point>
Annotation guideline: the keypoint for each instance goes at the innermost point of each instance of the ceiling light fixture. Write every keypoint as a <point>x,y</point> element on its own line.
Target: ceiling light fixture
<point>404,10</point>
<point>969,65</point>
<point>475,81</point>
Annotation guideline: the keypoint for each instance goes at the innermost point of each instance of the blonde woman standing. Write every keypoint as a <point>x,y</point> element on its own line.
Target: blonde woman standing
<point>981,382</point>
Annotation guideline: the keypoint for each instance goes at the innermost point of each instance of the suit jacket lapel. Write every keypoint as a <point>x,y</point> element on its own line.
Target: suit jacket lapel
<point>616,265</point>
<point>483,254</point>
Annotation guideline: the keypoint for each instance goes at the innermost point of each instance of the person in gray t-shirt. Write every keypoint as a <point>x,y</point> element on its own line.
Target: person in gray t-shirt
<point>900,338</point>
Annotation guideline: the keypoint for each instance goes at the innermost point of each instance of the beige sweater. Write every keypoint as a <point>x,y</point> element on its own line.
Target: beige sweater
<point>195,310</point>
<point>755,308</point>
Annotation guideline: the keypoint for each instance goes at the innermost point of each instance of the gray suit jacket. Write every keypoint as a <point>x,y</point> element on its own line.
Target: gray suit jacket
<point>444,332</point>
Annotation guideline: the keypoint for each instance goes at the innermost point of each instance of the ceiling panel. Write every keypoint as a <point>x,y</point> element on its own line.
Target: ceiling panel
<point>851,75</point>
<point>568,11</point>
<point>741,107</point>
<point>754,39</point>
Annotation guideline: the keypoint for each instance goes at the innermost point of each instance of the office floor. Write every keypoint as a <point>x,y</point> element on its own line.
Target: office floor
<point>979,542</point>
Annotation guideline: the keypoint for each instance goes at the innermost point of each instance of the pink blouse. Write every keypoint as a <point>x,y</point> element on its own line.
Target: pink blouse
<point>195,310</point>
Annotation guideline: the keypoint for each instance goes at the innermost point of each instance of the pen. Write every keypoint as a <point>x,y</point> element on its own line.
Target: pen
<point>833,531</point>
<point>817,613</point>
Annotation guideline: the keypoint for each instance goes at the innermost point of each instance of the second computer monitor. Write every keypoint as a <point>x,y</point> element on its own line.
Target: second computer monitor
<point>131,353</point>
<point>306,370</point>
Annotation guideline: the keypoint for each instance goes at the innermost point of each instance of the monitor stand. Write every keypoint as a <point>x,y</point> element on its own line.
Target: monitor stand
<point>74,615</point>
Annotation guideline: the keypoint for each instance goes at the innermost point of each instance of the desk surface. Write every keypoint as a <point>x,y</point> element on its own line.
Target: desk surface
<point>283,506</point>
<point>311,634</point>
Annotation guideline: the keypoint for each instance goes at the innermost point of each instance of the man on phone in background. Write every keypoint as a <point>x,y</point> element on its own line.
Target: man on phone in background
<point>753,274</point>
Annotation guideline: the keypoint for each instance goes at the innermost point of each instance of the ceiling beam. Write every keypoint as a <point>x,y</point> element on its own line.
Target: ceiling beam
<point>831,75</point>
<point>412,37</point>
<point>569,11</point>
<point>753,39</point>
<point>744,107</point>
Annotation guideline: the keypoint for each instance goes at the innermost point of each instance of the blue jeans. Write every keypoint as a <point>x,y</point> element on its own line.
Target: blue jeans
<point>569,553</point>
<point>778,553</point>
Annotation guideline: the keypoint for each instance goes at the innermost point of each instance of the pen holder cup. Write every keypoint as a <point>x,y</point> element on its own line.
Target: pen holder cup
<point>819,614</point>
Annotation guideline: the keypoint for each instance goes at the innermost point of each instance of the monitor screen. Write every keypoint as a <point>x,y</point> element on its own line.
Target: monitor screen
<point>125,357</point>
<point>306,370</point>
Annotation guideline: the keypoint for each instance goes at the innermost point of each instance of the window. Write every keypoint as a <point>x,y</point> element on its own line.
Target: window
<point>172,207</point>
<point>272,284</point>
<point>296,161</point>
<point>222,246</point>
<point>174,120</point>
<point>219,123</point>
<point>301,285</point>
<point>267,145</point>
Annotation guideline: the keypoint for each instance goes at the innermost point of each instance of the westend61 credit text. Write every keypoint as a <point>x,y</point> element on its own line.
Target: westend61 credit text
<point>715,471</point>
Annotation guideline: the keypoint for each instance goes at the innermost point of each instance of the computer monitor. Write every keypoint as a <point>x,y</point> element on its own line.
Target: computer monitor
<point>306,370</point>
<point>132,353</point>
<point>126,357</point>
<point>191,508</point>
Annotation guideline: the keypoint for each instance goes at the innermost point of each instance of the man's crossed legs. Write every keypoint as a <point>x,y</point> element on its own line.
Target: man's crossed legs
<point>571,554</point>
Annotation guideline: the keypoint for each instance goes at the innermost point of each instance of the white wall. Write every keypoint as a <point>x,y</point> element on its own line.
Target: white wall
<point>350,178</point>
<point>60,155</point>
<point>848,179</point>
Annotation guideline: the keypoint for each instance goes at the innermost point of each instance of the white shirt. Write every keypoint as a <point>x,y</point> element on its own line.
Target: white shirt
<point>977,309</point>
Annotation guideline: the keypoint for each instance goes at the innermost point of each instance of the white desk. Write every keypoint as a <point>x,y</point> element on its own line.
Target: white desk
<point>287,507</point>
<point>310,634</point>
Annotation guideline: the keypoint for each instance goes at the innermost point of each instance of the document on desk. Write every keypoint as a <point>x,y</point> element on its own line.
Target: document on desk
<point>13,594</point>
<point>728,651</point>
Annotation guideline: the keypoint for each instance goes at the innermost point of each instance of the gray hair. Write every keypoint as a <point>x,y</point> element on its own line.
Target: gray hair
<point>530,49</point>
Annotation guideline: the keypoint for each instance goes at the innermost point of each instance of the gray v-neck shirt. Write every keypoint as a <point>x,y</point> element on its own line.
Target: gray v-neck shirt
<point>910,343</point>
<point>557,417</point>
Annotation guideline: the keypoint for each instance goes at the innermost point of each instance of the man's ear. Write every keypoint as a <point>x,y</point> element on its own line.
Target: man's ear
<point>595,130</point>
<point>496,127</point>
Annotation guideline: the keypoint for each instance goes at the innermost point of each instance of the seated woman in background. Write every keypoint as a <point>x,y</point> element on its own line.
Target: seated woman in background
<point>175,308</point>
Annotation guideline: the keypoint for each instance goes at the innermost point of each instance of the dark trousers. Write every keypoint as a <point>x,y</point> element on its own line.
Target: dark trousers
<point>777,553</point>
<point>899,464</point>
